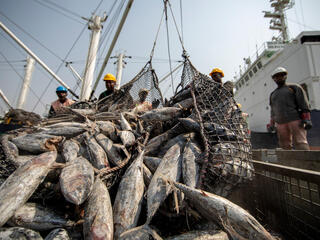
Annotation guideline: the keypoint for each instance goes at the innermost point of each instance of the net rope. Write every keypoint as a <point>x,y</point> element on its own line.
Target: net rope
<point>227,159</point>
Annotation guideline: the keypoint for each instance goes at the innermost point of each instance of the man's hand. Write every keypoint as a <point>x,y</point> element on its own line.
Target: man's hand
<point>306,121</point>
<point>271,126</point>
<point>306,124</point>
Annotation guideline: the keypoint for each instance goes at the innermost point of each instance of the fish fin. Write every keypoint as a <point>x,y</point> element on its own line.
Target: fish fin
<point>204,193</point>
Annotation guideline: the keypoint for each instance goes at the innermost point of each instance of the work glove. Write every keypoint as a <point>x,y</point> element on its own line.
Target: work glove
<point>306,121</point>
<point>270,127</point>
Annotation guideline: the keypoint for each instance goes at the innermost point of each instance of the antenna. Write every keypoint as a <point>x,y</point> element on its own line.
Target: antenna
<point>278,18</point>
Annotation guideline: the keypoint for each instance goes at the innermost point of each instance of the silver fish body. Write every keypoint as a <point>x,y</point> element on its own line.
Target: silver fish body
<point>22,159</point>
<point>143,232</point>
<point>186,103</point>
<point>98,156</point>
<point>58,234</point>
<point>76,180</point>
<point>98,219</point>
<point>23,182</point>
<point>37,217</point>
<point>127,138</point>
<point>169,168</point>
<point>68,124</point>
<point>181,139</point>
<point>161,114</point>
<point>70,150</point>
<point>190,168</point>
<point>125,126</point>
<point>113,150</point>
<point>201,235</point>
<point>127,205</point>
<point>36,143</point>
<point>107,128</point>
<point>236,221</point>
<point>152,163</point>
<point>67,132</point>
<point>19,233</point>
<point>147,175</point>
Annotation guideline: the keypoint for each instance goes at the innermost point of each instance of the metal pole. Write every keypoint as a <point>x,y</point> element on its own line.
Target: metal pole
<point>119,70</point>
<point>26,82</point>
<point>104,64</point>
<point>95,26</point>
<point>36,58</point>
<point>74,71</point>
<point>5,99</point>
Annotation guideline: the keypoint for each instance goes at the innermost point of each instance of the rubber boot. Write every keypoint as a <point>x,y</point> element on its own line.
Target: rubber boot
<point>302,146</point>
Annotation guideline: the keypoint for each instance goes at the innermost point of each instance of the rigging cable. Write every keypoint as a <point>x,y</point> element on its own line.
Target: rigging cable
<point>54,54</point>
<point>168,43</point>
<point>61,64</point>
<point>15,46</point>
<point>155,41</point>
<point>63,8</point>
<point>13,68</point>
<point>55,10</point>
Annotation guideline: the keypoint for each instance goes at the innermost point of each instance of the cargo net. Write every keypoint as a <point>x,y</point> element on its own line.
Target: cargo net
<point>128,94</point>
<point>227,159</point>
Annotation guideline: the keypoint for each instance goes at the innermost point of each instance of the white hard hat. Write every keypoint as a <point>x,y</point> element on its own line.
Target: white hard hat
<point>279,70</point>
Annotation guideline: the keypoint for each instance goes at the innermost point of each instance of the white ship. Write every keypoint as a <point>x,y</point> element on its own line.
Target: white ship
<point>300,56</point>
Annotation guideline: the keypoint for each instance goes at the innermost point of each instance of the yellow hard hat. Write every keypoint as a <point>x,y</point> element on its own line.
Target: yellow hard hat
<point>109,77</point>
<point>218,70</point>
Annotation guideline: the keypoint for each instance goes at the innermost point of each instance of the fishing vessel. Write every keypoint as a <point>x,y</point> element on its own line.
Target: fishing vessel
<point>301,58</point>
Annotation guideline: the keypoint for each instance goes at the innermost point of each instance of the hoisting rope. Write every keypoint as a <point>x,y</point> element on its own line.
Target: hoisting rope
<point>168,42</point>
<point>155,41</point>
<point>181,20</point>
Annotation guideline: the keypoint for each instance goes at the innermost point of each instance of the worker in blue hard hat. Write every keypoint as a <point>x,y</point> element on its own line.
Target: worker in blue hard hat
<point>62,101</point>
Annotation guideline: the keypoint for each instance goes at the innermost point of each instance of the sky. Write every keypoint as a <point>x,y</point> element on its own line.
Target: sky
<point>214,33</point>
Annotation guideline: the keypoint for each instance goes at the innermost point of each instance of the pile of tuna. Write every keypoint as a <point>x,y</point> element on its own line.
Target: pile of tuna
<point>134,176</point>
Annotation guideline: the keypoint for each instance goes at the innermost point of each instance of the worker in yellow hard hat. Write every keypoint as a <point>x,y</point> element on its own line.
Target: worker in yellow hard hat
<point>110,81</point>
<point>217,75</point>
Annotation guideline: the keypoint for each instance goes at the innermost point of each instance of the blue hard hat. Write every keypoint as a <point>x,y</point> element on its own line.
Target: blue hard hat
<point>61,89</point>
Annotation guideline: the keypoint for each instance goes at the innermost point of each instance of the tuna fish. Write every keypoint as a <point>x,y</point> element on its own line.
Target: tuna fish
<point>161,114</point>
<point>19,233</point>
<point>181,139</point>
<point>98,221</point>
<point>70,150</point>
<point>190,168</point>
<point>107,128</point>
<point>68,124</point>
<point>58,234</point>
<point>186,103</point>
<point>143,232</point>
<point>10,149</point>
<point>152,163</point>
<point>156,142</point>
<point>22,159</point>
<point>170,168</point>
<point>23,182</point>
<point>115,152</point>
<point>147,175</point>
<point>36,143</point>
<point>127,204</point>
<point>127,138</point>
<point>76,180</point>
<point>98,157</point>
<point>125,126</point>
<point>201,235</point>
<point>235,220</point>
<point>37,217</point>
<point>67,132</point>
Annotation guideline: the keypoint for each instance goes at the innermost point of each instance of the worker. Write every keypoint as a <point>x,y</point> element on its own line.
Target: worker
<point>290,112</point>
<point>217,75</point>
<point>58,105</point>
<point>141,105</point>
<point>110,82</point>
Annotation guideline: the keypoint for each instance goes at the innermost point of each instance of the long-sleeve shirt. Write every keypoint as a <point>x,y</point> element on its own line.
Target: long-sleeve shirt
<point>288,102</point>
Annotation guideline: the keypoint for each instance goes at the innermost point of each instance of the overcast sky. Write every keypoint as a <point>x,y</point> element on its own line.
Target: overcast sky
<point>215,34</point>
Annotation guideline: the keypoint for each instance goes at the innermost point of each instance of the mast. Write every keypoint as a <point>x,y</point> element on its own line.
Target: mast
<point>26,82</point>
<point>95,26</point>
<point>278,18</point>
<point>17,40</point>
<point>119,70</point>
<point>115,38</point>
